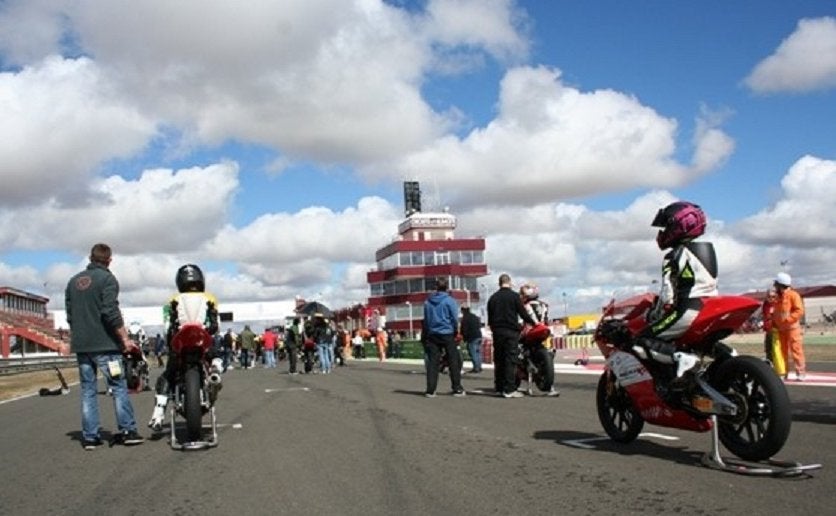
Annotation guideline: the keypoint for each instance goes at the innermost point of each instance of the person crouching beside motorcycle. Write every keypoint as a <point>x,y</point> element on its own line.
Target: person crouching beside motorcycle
<point>191,305</point>
<point>689,274</point>
<point>539,312</point>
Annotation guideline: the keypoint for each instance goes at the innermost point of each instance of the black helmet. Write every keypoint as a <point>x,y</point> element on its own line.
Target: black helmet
<point>190,279</point>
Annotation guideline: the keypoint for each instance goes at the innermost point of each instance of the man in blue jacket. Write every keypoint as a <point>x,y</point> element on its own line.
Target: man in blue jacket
<point>441,318</point>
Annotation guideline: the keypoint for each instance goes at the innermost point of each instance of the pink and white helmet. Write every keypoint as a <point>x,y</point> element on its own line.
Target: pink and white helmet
<point>680,221</point>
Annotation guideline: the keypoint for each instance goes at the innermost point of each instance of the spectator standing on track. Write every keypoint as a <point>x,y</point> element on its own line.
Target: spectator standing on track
<point>441,320</point>
<point>98,339</point>
<point>292,338</point>
<point>789,310</point>
<point>324,339</point>
<point>357,344</point>
<point>247,346</point>
<point>395,345</point>
<point>471,330</point>
<point>767,309</point>
<point>159,349</point>
<point>505,308</point>
<point>226,350</point>
<point>380,344</point>
<point>269,341</point>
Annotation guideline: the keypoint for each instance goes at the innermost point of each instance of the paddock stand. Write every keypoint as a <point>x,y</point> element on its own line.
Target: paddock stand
<point>196,445</point>
<point>772,468</point>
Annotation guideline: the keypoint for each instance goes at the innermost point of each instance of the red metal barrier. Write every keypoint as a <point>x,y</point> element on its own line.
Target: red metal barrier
<point>487,350</point>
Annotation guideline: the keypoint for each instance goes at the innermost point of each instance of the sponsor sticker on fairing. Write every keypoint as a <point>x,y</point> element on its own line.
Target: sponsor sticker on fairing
<point>627,368</point>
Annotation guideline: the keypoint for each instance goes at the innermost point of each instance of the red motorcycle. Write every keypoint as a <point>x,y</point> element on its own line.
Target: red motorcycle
<point>195,386</point>
<point>738,398</point>
<point>535,364</point>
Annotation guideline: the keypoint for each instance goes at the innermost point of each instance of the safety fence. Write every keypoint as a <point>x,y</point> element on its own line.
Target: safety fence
<point>413,348</point>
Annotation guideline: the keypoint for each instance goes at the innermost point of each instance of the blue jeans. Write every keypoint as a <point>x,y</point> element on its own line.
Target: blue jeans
<point>270,356</point>
<point>88,365</point>
<point>474,348</point>
<point>323,349</point>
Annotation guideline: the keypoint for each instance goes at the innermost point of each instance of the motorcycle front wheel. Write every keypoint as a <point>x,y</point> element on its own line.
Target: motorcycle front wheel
<point>131,375</point>
<point>761,427</point>
<point>192,409</point>
<point>616,411</point>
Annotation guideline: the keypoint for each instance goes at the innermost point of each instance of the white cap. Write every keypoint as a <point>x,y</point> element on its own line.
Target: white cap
<point>782,278</point>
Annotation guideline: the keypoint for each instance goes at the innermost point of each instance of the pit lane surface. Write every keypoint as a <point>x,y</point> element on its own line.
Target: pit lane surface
<point>364,440</point>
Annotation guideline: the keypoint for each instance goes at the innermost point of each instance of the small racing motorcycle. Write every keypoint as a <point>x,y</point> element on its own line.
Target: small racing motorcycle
<point>535,364</point>
<point>195,387</point>
<point>738,398</point>
<point>137,374</point>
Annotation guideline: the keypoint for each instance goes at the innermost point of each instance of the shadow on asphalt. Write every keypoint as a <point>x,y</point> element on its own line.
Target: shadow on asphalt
<point>814,411</point>
<point>645,447</point>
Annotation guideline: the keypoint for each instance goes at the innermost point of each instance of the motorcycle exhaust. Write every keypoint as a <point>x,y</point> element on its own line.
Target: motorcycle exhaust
<point>215,379</point>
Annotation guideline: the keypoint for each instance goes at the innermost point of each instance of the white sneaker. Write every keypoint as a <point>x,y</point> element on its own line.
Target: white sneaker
<point>684,362</point>
<point>553,392</point>
<point>515,394</point>
<point>158,415</point>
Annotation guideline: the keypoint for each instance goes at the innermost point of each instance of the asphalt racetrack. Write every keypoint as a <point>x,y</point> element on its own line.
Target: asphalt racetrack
<point>364,440</point>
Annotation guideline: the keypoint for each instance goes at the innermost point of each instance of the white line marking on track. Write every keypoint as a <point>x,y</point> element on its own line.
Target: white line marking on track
<point>288,389</point>
<point>582,443</point>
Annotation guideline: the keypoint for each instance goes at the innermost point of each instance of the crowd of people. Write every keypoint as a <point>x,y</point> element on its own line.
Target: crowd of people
<point>689,275</point>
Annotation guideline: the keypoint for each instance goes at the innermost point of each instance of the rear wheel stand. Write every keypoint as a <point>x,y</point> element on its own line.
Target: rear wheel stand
<point>772,467</point>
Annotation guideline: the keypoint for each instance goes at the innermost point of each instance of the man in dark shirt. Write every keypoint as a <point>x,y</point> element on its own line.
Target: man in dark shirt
<point>98,339</point>
<point>505,309</point>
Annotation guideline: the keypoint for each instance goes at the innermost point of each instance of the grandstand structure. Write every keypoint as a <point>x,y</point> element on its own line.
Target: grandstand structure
<point>26,327</point>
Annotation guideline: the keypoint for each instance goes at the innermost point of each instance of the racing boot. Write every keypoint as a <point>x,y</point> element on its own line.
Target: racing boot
<point>665,352</point>
<point>684,362</point>
<point>158,416</point>
<point>217,366</point>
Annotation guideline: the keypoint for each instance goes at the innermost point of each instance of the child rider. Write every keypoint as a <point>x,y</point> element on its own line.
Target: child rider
<point>190,305</point>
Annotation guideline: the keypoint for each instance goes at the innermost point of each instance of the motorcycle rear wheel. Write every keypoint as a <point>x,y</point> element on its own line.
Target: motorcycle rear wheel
<point>619,417</point>
<point>762,424</point>
<point>192,409</point>
<point>545,370</point>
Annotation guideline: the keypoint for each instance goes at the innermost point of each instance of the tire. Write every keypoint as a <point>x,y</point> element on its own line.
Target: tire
<point>131,375</point>
<point>620,419</point>
<point>545,369</point>
<point>762,426</point>
<point>191,404</point>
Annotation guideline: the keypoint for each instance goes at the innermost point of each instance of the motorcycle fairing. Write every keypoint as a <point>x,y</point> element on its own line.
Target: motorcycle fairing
<point>638,382</point>
<point>191,336</point>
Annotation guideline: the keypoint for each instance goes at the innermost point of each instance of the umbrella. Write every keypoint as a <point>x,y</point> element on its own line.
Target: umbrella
<point>315,308</point>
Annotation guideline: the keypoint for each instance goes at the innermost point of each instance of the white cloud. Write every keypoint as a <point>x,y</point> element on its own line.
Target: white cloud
<point>551,141</point>
<point>61,119</point>
<point>805,61</point>
<point>804,216</point>
<point>162,211</point>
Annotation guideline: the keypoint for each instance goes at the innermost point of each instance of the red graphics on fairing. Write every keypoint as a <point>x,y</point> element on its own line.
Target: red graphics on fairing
<point>749,401</point>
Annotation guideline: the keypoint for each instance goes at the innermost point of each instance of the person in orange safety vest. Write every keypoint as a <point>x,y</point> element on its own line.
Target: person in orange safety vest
<point>786,318</point>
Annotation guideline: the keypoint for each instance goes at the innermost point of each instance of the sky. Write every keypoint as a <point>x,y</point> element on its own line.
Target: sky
<point>268,141</point>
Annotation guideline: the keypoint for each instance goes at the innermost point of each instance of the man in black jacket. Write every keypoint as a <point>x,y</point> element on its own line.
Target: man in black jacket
<point>505,309</point>
<point>471,330</point>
